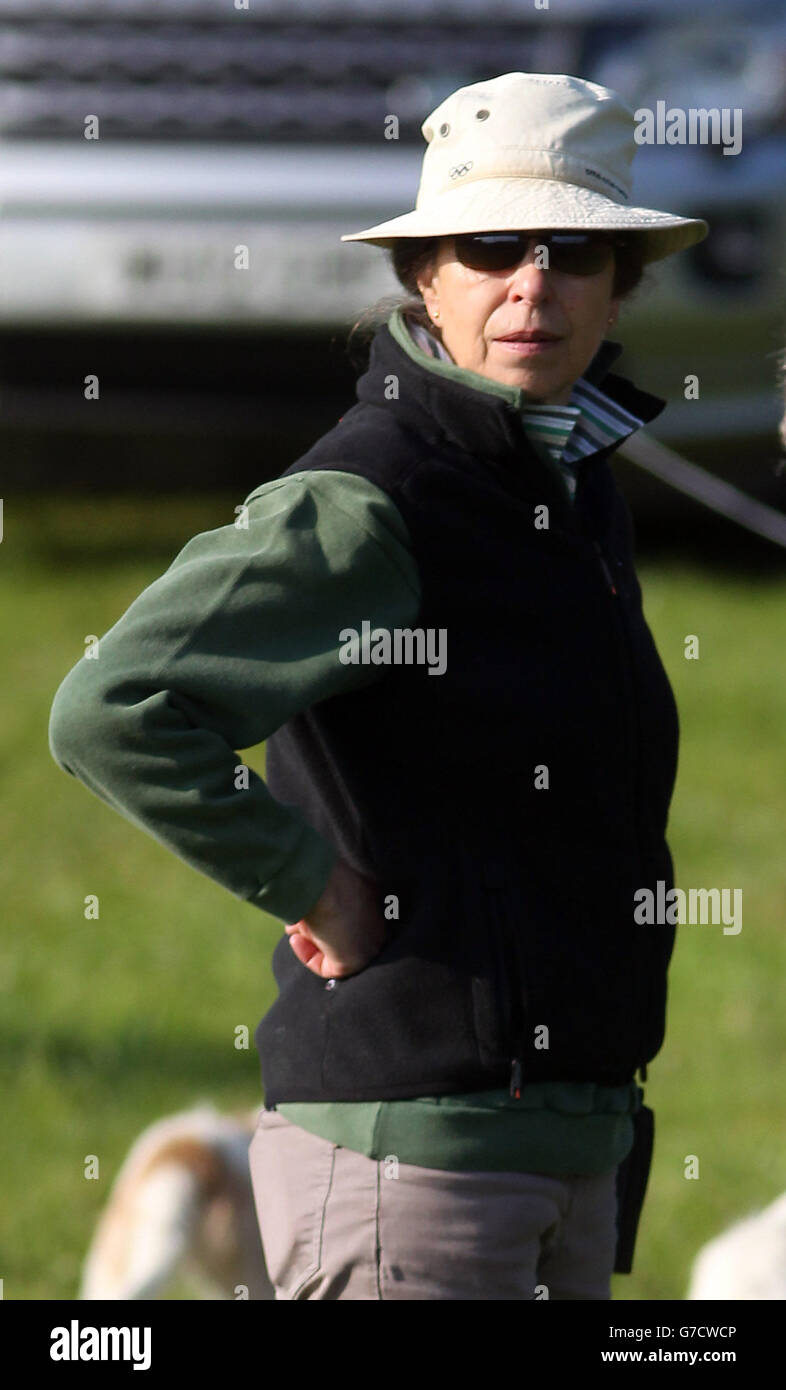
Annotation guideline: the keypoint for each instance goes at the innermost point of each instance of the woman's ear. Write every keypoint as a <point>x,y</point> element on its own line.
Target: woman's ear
<point>426,279</point>
<point>429,295</point>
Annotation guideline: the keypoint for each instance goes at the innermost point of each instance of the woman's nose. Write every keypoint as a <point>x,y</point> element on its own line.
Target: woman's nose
<point>530,277</point>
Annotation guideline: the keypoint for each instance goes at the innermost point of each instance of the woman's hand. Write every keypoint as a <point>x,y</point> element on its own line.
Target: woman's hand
<point>344,930</point>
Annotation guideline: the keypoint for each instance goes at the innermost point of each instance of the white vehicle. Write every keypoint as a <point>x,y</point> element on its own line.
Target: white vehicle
<point>175,177</point>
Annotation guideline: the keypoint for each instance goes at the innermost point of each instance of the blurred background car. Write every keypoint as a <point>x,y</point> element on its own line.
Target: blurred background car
<point>149,146</point>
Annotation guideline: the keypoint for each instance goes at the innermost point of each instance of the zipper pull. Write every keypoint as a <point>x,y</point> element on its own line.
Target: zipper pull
<point>515,1078</point>
<point>606,569</point>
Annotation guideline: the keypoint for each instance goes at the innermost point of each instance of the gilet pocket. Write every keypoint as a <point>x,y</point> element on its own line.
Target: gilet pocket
<point>493,966</point>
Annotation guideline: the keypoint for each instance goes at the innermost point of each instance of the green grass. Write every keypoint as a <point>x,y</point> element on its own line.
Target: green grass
<point>110,1023</point>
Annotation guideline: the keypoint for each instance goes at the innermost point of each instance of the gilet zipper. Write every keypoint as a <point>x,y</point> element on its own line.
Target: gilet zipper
<point>516,1069</point>
<point>642,1066</point>
<point>606,570</point>
<point>511,960</point>
<point>518,1009</point>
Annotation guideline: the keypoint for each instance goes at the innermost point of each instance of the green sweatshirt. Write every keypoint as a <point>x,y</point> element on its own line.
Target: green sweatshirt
<point>239,634</point>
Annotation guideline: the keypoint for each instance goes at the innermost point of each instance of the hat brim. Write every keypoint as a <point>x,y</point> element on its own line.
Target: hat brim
<point>533,204</point>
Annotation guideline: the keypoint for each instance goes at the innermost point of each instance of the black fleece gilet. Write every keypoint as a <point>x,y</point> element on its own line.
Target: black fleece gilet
<point>507,809</point>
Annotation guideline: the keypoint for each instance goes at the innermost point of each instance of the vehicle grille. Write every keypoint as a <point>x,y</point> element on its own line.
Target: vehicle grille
<point>286,71</point>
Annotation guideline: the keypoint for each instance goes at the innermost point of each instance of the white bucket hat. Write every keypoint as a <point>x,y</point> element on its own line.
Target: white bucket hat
<point>532,151</point>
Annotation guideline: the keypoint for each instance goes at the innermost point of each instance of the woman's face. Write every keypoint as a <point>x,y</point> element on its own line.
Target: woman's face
<point>477,308</point>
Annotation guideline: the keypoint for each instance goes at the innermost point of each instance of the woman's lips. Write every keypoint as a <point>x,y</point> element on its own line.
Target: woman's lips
<point>523,347</point>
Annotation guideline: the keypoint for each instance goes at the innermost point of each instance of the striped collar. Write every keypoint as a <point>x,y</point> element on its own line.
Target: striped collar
<point>569,433</point>
<point>563,434</point>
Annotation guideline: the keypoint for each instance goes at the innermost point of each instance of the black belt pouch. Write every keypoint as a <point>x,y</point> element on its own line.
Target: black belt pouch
<point>632,1176</point>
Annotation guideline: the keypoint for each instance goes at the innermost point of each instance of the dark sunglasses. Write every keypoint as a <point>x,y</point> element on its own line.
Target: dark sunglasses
<point>573,253</point>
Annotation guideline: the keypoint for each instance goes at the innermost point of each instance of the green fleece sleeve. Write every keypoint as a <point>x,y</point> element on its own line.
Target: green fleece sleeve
<point>239,634</point>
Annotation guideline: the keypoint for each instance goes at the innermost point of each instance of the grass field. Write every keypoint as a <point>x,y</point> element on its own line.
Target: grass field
<point>108,1024</point>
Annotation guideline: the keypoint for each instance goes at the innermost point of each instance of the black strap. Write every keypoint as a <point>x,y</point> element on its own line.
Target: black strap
<point>632,1176</point>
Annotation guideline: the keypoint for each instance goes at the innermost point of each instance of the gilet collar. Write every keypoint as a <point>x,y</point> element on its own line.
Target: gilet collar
<point>442,401</point>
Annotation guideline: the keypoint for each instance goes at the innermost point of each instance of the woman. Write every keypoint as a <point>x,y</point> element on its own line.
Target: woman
<point>454,843</point>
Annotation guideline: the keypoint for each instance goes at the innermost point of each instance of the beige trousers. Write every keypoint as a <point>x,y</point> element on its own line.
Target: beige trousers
<point>336,1224</point>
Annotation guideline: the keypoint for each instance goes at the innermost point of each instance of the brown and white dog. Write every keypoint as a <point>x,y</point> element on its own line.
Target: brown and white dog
<point>746,1261</point>
<point>182,1205</point>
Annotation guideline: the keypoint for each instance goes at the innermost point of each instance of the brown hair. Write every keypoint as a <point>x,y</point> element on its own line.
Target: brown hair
<point>411,255</point>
